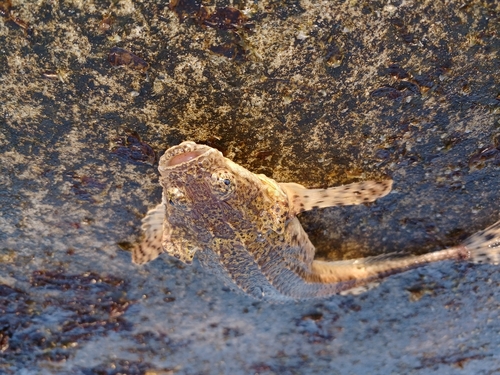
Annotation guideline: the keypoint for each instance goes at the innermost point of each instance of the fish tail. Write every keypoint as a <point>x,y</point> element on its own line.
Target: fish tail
<point>484,246</point>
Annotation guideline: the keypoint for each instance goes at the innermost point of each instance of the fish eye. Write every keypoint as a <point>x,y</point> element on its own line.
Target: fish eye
<point>223,183</point>
<point>176,198</point>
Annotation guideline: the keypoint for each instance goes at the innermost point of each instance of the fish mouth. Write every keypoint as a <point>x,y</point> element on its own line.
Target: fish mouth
<point>181,154</point>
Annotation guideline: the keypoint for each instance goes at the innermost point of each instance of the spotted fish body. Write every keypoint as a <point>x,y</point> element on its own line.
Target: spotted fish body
<point>243,227</point>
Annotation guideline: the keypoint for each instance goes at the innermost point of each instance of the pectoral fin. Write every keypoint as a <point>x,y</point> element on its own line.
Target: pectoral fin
<point>151,245</point>
<point>303,199</point>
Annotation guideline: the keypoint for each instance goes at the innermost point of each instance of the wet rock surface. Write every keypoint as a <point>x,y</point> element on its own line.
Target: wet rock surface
<point>318,93</point>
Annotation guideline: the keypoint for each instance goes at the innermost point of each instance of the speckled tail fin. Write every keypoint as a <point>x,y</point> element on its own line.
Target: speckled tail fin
<point>358,275</point>
<point>303,199</point>
<point>151,245</point>
<point>484,246</point>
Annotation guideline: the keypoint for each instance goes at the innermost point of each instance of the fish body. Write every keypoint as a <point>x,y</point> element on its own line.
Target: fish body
<point>243,227</point>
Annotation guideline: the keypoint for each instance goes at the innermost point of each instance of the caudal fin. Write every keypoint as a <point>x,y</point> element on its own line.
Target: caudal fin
<point>484,246</point>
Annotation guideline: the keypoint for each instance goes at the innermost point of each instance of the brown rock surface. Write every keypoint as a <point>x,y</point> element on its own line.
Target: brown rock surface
<point>314,92</point>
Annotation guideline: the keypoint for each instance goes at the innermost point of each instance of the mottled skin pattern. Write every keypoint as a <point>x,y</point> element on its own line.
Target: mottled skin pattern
<point>242,226</point>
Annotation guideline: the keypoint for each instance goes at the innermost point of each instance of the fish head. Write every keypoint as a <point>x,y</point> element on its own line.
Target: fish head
<point>209,197</point>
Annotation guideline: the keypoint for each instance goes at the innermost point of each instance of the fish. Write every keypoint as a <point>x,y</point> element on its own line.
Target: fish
<point>243,227</point>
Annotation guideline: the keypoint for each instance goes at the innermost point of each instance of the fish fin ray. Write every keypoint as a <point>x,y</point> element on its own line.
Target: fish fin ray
<point>303,199</point>
<point>484,246</point>
<point>150,246</point>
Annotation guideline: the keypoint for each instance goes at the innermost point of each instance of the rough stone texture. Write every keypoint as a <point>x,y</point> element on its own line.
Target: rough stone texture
<point>315,92</point>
